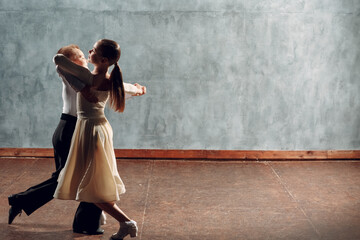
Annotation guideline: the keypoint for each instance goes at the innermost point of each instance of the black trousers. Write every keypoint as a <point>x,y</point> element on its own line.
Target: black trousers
<point>87,215</point>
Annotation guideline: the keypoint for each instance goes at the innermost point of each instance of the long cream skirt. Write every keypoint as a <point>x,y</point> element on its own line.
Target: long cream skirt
<point>90,173</point>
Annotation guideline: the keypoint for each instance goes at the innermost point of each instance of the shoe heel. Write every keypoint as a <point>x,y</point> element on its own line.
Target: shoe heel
<point>133,232</point>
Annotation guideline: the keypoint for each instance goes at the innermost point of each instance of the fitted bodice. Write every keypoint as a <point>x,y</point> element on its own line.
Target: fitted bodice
<point>91,110</point>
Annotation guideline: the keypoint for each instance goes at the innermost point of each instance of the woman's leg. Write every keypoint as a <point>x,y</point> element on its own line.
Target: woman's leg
<point>127,226</point>
<point>112,209</point>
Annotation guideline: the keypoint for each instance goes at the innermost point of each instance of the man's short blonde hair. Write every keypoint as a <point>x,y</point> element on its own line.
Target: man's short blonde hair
<point>69,51</point>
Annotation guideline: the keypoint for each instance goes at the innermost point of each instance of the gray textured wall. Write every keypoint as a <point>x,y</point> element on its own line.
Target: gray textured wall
<point>224,74</point>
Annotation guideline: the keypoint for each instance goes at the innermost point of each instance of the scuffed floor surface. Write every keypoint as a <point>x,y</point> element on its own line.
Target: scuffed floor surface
<point>204,200</point>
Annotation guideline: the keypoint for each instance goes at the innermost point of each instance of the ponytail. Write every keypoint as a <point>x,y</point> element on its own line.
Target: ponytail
<point>117,92</point>
<point>111,50</point>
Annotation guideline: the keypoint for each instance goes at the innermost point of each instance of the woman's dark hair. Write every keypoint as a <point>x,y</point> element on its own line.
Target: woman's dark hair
<point>111,50</point>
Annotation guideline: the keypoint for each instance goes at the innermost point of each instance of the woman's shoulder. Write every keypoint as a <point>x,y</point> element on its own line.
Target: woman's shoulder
<point>102,85</point>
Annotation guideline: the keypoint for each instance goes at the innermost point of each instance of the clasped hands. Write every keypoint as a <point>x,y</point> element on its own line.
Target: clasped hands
<point>142,89</point>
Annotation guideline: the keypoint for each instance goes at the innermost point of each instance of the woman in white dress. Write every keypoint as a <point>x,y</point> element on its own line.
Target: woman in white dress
<point>90,173</point>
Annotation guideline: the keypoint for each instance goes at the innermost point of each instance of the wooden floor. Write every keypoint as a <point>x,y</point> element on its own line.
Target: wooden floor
<point>204,200</point>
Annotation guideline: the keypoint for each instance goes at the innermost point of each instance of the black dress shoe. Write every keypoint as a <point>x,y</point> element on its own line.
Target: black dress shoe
<point>89,232</point>
<point>13,212</point>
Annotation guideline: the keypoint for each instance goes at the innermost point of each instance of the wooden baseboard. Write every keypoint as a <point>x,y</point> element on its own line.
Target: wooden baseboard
<point>201,154</point>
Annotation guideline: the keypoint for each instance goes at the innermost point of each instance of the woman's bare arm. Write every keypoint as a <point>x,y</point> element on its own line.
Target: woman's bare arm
<point>83,74</point>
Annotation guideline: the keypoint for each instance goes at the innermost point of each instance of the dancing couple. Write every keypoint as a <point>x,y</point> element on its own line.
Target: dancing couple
<point>86,169</point>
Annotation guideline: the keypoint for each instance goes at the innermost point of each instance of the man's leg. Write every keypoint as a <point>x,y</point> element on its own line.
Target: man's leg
<point>34,197</point>
<point>87,219</point>
<point>40,194</point>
